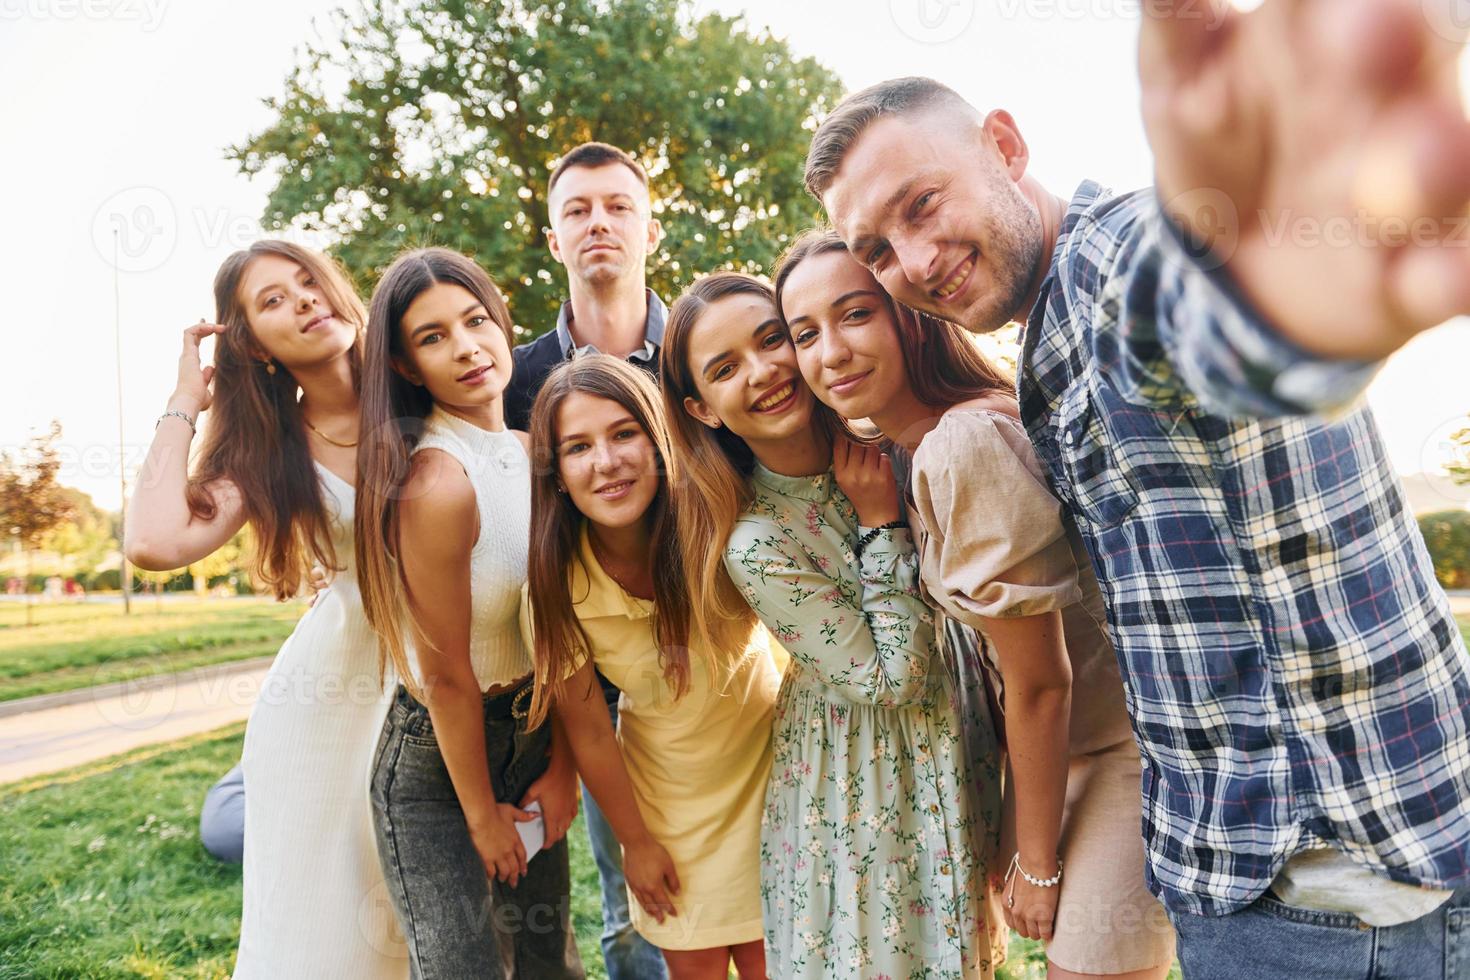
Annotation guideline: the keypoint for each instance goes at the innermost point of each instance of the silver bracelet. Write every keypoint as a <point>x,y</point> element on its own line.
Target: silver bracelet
<point>181,414</point>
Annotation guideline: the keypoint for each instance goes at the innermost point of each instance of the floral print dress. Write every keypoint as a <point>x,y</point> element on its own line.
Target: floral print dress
<point>870,841</point>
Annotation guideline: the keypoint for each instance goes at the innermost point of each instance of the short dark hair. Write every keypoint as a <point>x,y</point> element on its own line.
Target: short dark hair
<point>840,130</point>
<point>596,155</point>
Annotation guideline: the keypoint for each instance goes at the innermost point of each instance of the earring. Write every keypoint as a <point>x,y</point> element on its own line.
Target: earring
<point>270,367</point>
<point>560,488</point>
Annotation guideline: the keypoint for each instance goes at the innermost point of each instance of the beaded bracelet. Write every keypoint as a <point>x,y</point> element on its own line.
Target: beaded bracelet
<point>1051,882</point>
<point>867,539</point>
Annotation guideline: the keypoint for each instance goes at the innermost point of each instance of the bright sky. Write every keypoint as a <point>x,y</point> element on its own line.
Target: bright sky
<point>125,106</point>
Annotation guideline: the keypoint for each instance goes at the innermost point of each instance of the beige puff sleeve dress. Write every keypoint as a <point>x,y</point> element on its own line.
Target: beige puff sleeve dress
<point>993,544</point>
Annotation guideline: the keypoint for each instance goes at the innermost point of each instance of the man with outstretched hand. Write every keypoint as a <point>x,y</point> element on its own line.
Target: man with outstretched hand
<point>1190,382</point>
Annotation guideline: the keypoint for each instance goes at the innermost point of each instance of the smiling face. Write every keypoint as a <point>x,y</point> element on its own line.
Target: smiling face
<point>289,313</point>
<point>845,336</point>
<point>453,348</point>
<point>745,372</point>
<point>605,460</point>
<point>930,203</point>
<point>601,229</point>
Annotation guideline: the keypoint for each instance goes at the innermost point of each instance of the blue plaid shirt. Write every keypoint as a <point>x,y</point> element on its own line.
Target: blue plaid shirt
<point>1293,671</point>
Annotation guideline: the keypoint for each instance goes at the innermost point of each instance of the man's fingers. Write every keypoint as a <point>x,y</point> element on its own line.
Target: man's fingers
<point>1178,35</point>
<point>523,816</point>
<point>671,881</point>
<point>1431,284</point>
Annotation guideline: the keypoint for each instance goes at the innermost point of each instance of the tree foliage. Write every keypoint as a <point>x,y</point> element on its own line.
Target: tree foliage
<point>32,503</point>
<point>439,121</point>
<point>87,538</point>
<point>1458,465</point>
<point>1447,534</point>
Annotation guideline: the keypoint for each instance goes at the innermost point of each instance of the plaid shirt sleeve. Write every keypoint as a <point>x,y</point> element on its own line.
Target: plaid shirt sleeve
<point>1185,328</point>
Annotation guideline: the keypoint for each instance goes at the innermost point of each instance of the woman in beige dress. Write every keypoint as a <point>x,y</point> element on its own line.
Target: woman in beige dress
<point>996,555</point>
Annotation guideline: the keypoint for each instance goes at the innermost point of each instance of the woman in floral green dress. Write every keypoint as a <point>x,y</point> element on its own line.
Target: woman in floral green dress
<point>871,839</point>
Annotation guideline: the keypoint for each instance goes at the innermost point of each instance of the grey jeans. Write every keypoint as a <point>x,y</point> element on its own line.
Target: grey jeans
<point>457,921</point>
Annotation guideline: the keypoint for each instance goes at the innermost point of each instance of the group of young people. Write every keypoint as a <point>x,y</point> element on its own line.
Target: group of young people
<point>862,651</point>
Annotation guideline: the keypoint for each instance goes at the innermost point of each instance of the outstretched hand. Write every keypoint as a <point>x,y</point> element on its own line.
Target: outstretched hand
<point>1321,149</point>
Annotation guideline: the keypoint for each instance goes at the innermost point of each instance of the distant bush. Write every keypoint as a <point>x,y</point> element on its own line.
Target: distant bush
<point>1447,533</point>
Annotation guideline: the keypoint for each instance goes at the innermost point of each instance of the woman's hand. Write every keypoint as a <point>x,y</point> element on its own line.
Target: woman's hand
<point>192,393</point>
<point>865,474</point>
<point>651,878</point>
<point>499,843</point>
<point>1030,910</point>
<point>556,789</point>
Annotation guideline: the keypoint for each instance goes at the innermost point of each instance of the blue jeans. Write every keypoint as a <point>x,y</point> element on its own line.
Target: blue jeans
<point>458,922</point>
<point>222,818</point>
<point>627,955</point>
<point>1270,939</point>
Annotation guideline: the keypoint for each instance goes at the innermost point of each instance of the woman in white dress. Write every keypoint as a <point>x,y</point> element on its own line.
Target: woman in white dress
<point>280,454</point>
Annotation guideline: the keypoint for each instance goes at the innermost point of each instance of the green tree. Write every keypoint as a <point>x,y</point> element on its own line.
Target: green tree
<point>439,121</point>
<point>32,503</point>
<point>1458,465</point>
<point>87,538</point>
<point>1447,534</point>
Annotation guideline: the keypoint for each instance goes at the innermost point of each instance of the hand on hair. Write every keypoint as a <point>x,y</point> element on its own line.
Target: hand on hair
<point>1318,149</point>
<point>865,474</point>
<point>193,394</point>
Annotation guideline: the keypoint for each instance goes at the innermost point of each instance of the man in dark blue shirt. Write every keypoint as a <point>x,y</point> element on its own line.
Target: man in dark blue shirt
<point>602,230</point>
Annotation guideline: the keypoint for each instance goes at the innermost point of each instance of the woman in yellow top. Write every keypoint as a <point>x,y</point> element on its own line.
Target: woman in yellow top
<point>684,782</point>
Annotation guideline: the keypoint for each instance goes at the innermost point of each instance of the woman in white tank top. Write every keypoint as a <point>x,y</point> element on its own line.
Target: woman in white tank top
<point>280,453</point>
<point>479,883</point>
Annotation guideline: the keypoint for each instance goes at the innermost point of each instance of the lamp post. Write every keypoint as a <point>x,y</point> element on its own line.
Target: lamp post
<point>126,570</point>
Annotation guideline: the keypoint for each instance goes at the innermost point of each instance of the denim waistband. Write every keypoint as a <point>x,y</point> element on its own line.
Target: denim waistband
<point>412,715</point>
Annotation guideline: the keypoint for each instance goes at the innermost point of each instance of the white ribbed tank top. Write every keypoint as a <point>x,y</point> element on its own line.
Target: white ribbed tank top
<point>500,472</point>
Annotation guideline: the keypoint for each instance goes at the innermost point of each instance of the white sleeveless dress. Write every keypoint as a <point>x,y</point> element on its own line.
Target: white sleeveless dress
<point>315,902</point>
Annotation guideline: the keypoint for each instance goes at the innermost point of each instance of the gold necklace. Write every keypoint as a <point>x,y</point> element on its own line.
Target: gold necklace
<point>340,445</point>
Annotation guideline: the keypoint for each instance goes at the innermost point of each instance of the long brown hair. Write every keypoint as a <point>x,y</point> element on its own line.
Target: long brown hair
<point>716,464</point>
<point>255,438</point>
<point>556,527</point>
<point>393,412</point>
<point>942,363</point>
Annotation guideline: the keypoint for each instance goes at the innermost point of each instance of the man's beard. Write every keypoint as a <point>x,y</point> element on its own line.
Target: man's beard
<point>1014,238</point>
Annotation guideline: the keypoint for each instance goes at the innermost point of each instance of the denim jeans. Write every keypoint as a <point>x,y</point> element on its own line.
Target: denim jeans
<point>457,921</point>
<point>1268,939</point>
<point>627,955</point>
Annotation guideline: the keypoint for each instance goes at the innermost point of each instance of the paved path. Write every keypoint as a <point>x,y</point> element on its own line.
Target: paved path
<point>79,727</point>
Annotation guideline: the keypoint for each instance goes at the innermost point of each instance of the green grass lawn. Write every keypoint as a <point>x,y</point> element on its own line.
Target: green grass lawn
<point>80,644</point>
<point>102,874</point>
